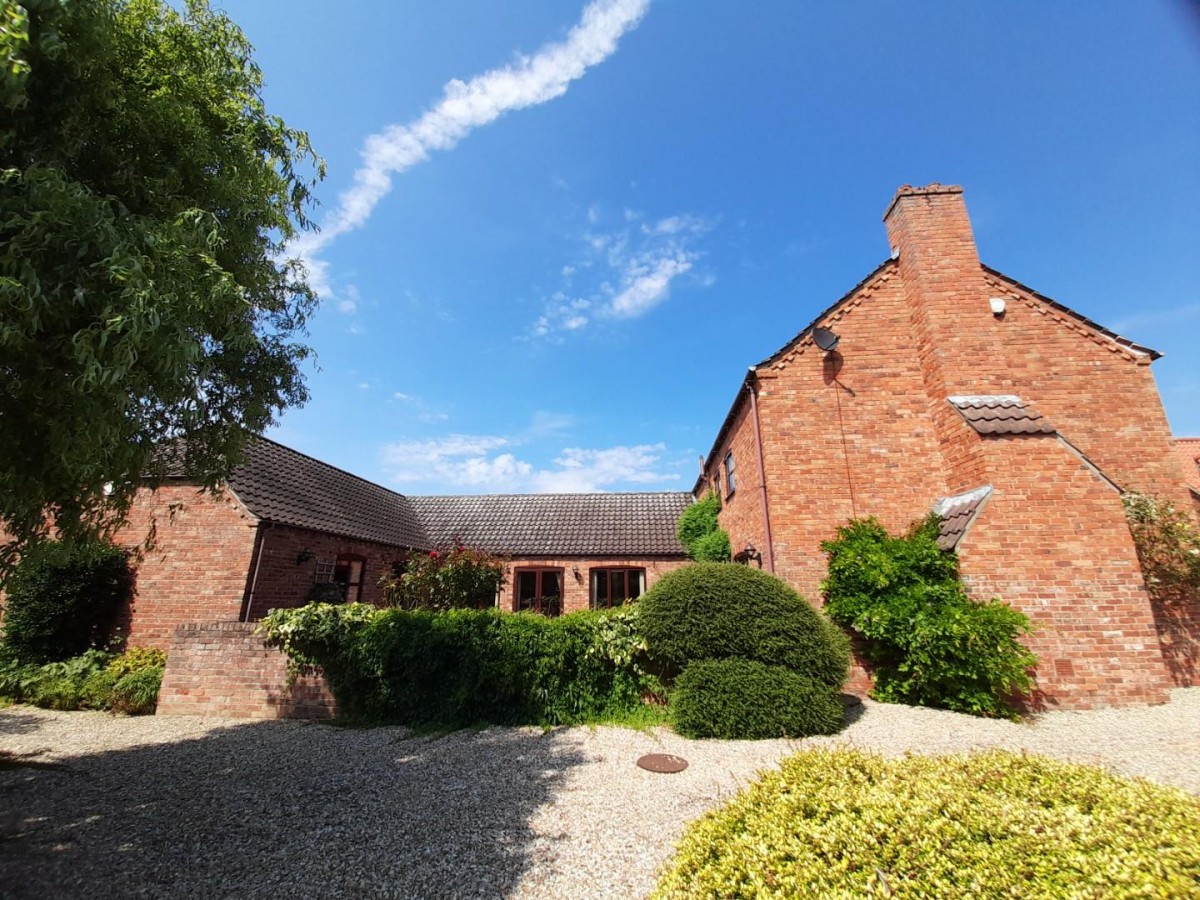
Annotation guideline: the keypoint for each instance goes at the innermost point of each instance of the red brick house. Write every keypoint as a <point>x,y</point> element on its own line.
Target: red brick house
<point>1188,451</point>
<point>286,521</point>
<point>939,382</point>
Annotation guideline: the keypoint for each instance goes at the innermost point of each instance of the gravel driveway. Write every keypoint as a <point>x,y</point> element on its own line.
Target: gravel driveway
<point>188,807</point>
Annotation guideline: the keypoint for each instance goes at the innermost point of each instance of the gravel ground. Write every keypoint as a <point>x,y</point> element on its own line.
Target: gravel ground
<point>189,807</point>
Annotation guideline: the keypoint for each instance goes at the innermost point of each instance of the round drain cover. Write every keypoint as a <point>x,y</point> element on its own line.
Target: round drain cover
<point>662,762</point>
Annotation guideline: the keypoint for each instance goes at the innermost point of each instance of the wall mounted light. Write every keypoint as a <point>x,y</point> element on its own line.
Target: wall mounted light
<point>575,572</point>
<point>749,553</point>
<point>303,556</point>
<point>997,304</point>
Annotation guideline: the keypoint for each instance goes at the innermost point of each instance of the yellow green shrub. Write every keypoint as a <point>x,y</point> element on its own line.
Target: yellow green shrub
<point>843,823</point>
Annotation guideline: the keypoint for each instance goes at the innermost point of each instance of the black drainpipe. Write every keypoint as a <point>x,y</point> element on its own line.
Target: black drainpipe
<point>260,535</point>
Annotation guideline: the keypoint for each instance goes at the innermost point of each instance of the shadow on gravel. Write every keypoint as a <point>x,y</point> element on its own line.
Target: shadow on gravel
<point>288,809</point>
<point>12,722</point>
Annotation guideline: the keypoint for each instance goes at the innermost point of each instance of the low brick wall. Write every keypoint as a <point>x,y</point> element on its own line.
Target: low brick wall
<point>223,669</point>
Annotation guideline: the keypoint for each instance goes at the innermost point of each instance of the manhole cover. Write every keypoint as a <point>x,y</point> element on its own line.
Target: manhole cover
<point>662,762</point>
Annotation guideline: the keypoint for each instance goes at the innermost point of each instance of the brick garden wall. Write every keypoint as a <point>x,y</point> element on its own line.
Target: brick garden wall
<point>223,669</point>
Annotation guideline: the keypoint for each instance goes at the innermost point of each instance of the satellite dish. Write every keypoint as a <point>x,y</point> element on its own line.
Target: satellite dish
<point>825,339</point>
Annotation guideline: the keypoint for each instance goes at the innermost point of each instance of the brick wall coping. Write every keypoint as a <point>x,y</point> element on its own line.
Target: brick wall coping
<point>194,627</point>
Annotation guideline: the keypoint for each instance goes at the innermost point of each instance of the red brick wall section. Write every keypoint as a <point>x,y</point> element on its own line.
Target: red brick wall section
<point>1053,543</point>
<point>223,669</point>
<point>196,567</point>
<point>282,582</point>
<point>741,512</point>
<point>577,591</point>
<point>847,434</point>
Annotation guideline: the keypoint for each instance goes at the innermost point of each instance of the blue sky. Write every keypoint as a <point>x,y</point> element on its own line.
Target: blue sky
<point>557,233</point>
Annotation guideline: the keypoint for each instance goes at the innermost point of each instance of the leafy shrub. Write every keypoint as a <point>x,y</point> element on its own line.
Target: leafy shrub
<point>136,693</point>
<point>928,642</point>
<point>63,599</point>
<point>726,610</point>
<point>457,578</point>
<point>699,519</point>
<point>713,547</point>
<point>699,532</point>
<point>843,823</point>
<point>1168,547</point>
<point>325,592</point>
<point>128,683</point>
<point>461,666</point>
<point>742,699</point>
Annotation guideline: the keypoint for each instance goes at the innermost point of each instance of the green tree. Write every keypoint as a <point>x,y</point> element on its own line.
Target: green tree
<point>147,198</point>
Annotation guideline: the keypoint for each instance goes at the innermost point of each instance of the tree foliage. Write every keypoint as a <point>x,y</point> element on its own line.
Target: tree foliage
<point>146,202</point>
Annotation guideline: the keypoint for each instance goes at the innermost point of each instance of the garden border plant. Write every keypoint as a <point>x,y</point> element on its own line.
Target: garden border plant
<point>847,823</point>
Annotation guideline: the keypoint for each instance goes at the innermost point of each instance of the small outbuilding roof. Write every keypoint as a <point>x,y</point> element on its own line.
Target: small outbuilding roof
<point>957,513</point>
<point>1001,414</point>
<point>279,484</point>
<point>634,524</point>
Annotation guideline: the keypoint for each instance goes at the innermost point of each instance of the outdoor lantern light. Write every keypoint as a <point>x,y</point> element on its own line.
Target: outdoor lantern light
<point>303,556</point>
<point>751,554</point>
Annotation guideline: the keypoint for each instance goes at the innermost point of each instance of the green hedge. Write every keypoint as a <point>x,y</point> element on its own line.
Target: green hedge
<point>63,599</point>
<point>742,699</point>
<point>843,823</point>
<point>464,666</point>
<point>726,610</point>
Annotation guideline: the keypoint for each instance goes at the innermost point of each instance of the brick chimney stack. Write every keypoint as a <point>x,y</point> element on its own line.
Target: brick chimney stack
<point>948,305</point>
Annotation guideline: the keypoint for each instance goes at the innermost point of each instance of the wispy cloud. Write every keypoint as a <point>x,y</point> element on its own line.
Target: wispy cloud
<point>417,408</point>
<point>1156,319</point>
<point>465,106</point>
<point>495,463</point>
<point>629,269</point>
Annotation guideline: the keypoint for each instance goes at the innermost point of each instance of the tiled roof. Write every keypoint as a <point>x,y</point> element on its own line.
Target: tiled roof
<point>957,513</point>
<point>557,524</point>
<point>1001,414</point>
<point>1188,451</point>
<point>279,484</point>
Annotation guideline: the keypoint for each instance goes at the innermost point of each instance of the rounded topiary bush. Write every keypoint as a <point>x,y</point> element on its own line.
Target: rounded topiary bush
<point>742,699</point>
<point>843,823</point>
<point>726,610</point>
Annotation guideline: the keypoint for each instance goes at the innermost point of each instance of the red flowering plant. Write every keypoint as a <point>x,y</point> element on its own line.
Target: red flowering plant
<point>455,578</point>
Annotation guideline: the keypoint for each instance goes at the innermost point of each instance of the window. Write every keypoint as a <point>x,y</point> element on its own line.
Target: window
<point>730,484</point>
<point>539,590</point>
<point>348,572</point>
<point>614,587</point>
<point>324,571</point>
